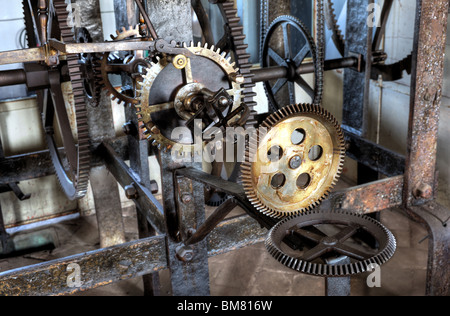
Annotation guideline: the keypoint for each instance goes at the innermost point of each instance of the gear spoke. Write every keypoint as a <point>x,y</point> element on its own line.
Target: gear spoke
<point>315,253</point>
<point>352,252</point>
<point>305,86</point>
<point>277,58</point>
<point>301,55</point>
<point>287,45</point>
<point>308,234</point>
<point>278,85</point>
<point>347,233</point>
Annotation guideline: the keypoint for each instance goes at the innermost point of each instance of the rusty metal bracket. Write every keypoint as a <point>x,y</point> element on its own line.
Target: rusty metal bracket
<point>434,218</point>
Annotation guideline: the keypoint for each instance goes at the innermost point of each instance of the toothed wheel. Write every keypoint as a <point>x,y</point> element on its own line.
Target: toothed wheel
<point>292,167</point>
<point>327,236</point>
<point>130,65</point>
<point>174,85</point>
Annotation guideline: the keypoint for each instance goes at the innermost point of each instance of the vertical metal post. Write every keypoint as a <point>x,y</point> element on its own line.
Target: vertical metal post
<point>338,286</point>
<point>107,207</point>
<point>183,200</point>
<point>357,84</point>
<point>420,176</point>
<point>184,210</point>
<point>426,93</point>
<point>138,151</point>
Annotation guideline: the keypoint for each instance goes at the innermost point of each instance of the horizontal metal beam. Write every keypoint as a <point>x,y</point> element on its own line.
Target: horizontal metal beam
<point>370,198</point>
<point>374,156</point>
<point>22,56</point>
<point>87,271</point>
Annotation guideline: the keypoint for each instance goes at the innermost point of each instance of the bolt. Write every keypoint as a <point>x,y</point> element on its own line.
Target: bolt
<point>423,191</point>
<point>131,192</point>
<point>186,198</point>
<point>185,253</point>
<point>223,101</point>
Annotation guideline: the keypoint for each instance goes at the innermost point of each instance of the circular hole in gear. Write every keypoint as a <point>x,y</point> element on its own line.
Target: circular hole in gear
<point>275,153</point>
<point>303,181</point>
<point>315,153</point>
<point>278,181</point>
<point>298,136</point>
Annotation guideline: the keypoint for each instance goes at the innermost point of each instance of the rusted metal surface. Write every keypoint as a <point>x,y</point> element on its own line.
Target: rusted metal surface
<point>234,234</point>
<point>96,268</point>
<point>426,94</point>
<point>370,198</point>
<point>434,218</point>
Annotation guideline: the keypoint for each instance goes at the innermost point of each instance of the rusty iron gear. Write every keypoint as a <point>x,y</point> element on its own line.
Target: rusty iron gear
<point>327,236</point>
<point>150,92</point>
<point>294,160</point>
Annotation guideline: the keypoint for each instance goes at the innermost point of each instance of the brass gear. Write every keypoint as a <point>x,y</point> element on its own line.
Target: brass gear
<point>145,108</point>
<point>293,167</point>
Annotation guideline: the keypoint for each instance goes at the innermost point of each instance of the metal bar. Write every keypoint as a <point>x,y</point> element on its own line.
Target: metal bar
<point>147,19</point>
<point>108,208</point>
<point>374,156</point>
<point>86,271</point>
<point>189,268</point>
<point>213,182</point>
<point>426,93</point>
<point>148,204</point>
<point>213,220</point>
<point>369,198</point>
<point>271,73</point>
<point>357,84</point>
<point>139,163</point>
<point>80,48</point>
<point>22,56</point>
<point>434,218</point>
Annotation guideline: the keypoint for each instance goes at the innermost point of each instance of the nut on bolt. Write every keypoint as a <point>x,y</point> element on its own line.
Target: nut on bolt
<point>131,192</point>
<point>423,191</point>
<point>185,253</point>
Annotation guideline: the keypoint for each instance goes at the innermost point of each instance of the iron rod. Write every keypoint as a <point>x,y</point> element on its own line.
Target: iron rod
<point>266,74</point>
<point>12,77</point>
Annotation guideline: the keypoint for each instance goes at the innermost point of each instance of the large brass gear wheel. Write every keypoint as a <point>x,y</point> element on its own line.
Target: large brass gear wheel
<point>293,167</point>
<point>169,82</point>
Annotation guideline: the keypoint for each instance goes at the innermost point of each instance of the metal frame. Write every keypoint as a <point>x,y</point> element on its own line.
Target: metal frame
<point>411,185</point>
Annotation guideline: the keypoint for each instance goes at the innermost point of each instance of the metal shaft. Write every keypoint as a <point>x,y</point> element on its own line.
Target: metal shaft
<point>12,77</point>
<point>272,73</point>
